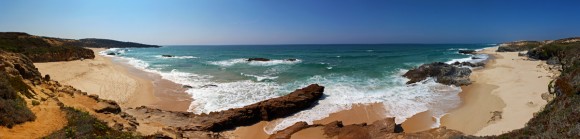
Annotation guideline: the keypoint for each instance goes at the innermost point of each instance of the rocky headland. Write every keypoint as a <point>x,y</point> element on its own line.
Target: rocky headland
<point>49,49</point>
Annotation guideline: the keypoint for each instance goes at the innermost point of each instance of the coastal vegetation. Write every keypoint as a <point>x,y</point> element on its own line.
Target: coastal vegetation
<point>13,109</point>
<point>82,125</point>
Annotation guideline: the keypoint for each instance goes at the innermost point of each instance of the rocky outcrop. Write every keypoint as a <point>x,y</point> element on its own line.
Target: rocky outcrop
<point>266,59</point>
<point>287,133</point>
<point>518,46</point>
<point>381,129</point>
<point>442,72</point>
<point>197,125</point>
<point>469,64</point>
<point>467,51</point>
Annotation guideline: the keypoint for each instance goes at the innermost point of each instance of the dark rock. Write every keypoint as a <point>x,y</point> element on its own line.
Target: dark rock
<point>111,53</point>
<point>467,51</point>
<point>399,128</point>
<point>443,73</point>
<point>166,56</point>
<point>107,106</point>
<point>291,59</point>
<point>258,59</point>
<point>187,86</point>
<point>94,96</point>
<point>475,57</point>
<point>46,77</point>
<point>469,64</point>
<point>209,85</point>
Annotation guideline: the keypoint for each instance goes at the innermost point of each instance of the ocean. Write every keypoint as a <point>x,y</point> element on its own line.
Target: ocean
<point>221,78</point>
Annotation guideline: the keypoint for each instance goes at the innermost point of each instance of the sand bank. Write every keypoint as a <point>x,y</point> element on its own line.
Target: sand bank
<point>510,86</point>
<point>111,79</point>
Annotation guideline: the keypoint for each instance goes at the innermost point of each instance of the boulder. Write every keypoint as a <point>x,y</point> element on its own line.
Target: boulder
<point>467,51</point>
<point>107,106</point>
<point>442,72</point>
<point>258,59</point>
<point>111,53</point>
<point>291,59</point>
<point>469,64</point>
<point>166,56</point>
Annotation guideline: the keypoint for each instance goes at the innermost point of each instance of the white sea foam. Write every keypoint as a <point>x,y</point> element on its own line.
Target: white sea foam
<point>479,58</point>
<point>400,100</point>
<point>176,57</point>
<point>260,78</point>
<point>231,62</point>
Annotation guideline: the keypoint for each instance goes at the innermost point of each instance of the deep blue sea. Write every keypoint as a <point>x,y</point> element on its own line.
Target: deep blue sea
<point>351,73</point>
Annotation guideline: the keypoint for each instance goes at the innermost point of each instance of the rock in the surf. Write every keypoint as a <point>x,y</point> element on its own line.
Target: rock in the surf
<point>467,51</point>
<point>442,72</point>
<point>258,59</point>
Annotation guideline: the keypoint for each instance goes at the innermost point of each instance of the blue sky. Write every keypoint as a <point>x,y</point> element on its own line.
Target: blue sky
<point>169,22</point>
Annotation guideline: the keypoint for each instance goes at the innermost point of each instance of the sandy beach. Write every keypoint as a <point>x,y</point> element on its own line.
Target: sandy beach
<point>114,80</point>
<point>510,86</point>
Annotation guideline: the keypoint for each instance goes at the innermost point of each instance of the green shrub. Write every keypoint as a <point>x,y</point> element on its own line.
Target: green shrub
<point>82,125</point>
<point>13,108</point>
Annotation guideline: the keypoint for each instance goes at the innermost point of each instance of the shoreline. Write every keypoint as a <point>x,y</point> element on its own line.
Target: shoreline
<point>472,117</point>
<point>504,95</point>
<point>111,79</point>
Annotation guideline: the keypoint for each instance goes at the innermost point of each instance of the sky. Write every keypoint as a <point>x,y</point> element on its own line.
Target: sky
<point>202,22</point>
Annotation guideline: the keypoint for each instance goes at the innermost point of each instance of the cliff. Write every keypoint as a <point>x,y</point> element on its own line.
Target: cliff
<point>42,49</point>
<point>49,49</point>
<point>106,43</point>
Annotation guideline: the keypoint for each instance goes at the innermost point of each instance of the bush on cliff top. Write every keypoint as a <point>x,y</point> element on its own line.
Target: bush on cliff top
<point>82,125</point>
<point>13,108</point>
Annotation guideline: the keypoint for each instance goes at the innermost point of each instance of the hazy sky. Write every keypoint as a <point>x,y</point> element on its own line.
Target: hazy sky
<point>294,21</point>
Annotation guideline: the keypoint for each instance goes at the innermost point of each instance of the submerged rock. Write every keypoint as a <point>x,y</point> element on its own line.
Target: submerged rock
<point>442,72</point>
<point>166,56</point>
<point>291,59</point>
<point>258,59</point>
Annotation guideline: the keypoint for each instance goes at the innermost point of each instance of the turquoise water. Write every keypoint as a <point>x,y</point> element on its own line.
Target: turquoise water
<point>350,73</point>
